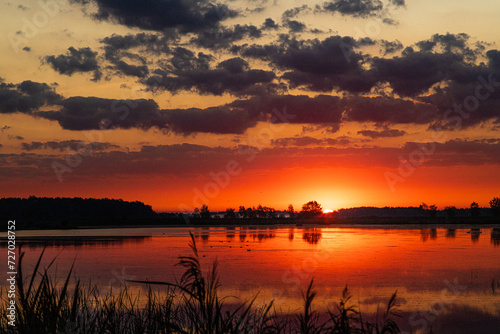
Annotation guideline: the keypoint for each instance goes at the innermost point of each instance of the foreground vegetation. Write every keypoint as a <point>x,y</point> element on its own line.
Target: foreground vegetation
<point>191,305</point>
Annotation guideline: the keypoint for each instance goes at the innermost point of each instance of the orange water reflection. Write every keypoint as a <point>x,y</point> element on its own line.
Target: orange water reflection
<point>423,265</point>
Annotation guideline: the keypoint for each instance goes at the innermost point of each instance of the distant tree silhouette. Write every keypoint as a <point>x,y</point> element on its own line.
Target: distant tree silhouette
<point>204,212</point>
<point>432,210</point>
<point>450,211</point>
<point>474,209</point>
<point>424,206</point>
<point>196,213</point>
<point>260,211</point>
<point>242,211</point>
<point>269,212</point>
<point>250,213</point>
<point>495,206</point>
<point>311,209</point>
<point>230,214</point>
<point>290,211</point>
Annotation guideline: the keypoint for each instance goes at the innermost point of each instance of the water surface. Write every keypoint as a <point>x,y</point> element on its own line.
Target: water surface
<point>447,279</point>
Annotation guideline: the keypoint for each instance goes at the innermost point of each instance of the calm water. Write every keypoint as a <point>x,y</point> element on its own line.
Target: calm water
<point>446,278</point>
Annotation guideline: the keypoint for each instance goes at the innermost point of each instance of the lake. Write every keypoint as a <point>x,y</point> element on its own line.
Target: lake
<point>445,278</point>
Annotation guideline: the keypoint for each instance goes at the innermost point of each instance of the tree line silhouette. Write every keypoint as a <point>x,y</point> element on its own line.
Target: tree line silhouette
<point>310,209</point>
<point>62,212</point>
<point>44,212</point>
<point>313,209</point>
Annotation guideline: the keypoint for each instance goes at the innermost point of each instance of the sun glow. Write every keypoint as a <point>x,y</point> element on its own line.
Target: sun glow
<point>327,211</point>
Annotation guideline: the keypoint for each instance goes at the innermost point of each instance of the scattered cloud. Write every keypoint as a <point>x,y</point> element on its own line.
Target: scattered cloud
<point>229,76</point>
<point>221,37</point>
<point>26,96</point>
<point>68,146</point>
<point>382,134</point>
<point>81,60</point>
<point>362,8</point>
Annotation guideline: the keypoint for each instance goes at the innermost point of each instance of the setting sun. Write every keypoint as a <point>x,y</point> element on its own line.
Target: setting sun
<point>327,211</point>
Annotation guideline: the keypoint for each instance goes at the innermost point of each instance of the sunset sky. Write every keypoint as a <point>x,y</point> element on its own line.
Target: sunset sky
<point>177,103</point>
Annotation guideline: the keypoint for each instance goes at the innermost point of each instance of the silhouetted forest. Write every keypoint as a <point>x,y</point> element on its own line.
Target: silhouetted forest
<point>43,212</point>
<point>401,212</point>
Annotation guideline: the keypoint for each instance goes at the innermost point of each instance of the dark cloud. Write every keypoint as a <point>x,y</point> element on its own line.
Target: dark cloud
<point>471,96</point>
<point>494,60</point>
<point>81,60</point>
<point>128,53</point>
<point>222,37</point>
<point>229,76</point>
<point>388,47</point>
<point>269,24</point>
<point>415,72</point>
<point>336,63</point>
<point>389,110</point>
<point>361,8</point>
<point>382,134</point>
<point>356,8</point>
<point>442,58</point>
<point>68,145</point>
<point>214,120</point>
<point>26,96</point>
<point>263,89</point>
<point>293,12</point>
<point>185,59</point>
<point>309,141</point>
<point>398,2</point>
<point>365,41</point>
<point>115,45</point>
<point>159,15</point>
<point>140,71</point>
<point>87,113</point>
<point>27,49</point>
<point>84,113</point>
<point>451,43</point>
<point>255,10</point>
<point>316,65</point>
<point>322,109</point>
<point>295,26</point>
<point>460,107</point>
<point>297,141</point>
